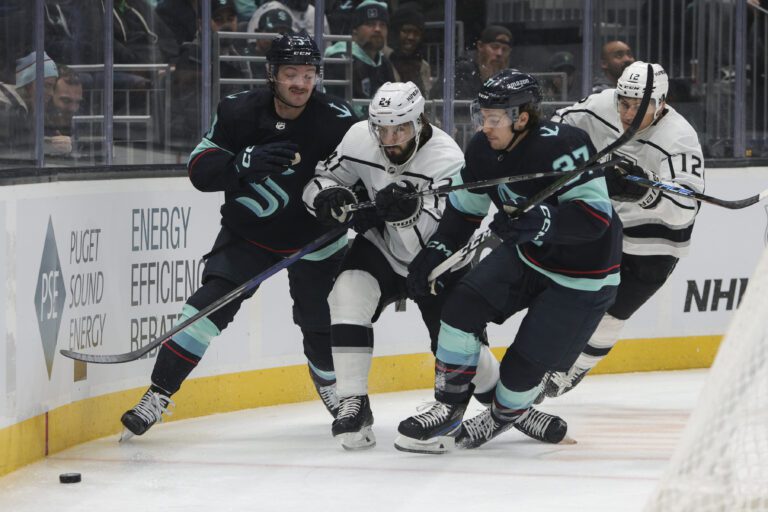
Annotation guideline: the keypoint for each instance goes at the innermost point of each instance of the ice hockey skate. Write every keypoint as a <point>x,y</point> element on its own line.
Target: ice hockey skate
<point>432,431</point>
<point>146,413</point>
<point>352,426</point>
<point>543,427</point>
<point>480,429</point>
<point>560,383</point>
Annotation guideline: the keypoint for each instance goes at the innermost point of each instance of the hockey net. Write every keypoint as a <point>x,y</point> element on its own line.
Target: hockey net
<point>721,463</point>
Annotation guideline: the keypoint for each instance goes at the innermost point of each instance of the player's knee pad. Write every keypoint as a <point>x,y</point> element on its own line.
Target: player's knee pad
<point>354,298</point>
<point>466,309</point>
<point>607,333</point>
<point>211,291</point>
<point>518,373</point>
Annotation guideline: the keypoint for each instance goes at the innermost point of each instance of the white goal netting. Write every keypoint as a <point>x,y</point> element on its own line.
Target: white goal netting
<point>721,463</point>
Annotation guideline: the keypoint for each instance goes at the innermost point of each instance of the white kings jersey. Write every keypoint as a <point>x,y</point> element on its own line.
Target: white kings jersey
<point>670,148</point>
<point>358,157</point>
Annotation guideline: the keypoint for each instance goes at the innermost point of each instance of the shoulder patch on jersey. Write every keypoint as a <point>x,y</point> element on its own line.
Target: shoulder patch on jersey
<point>546,131</point>
<point>344,111</point>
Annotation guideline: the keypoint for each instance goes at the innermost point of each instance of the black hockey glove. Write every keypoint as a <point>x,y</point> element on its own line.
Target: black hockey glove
<point>625,191</point>
<point>391,206</point>
<point>534,225</point>
<point>329,205</point>
<point>436,251</point>
<point>365,219</point>
<point>256,163</point>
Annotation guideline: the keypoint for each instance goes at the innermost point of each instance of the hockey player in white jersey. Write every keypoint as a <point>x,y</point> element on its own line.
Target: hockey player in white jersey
<point>394,153</point>
<point>657,226</point>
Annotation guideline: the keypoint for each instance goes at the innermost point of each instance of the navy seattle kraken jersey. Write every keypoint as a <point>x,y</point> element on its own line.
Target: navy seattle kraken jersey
<point>584,250</point>
<point>270,214</point>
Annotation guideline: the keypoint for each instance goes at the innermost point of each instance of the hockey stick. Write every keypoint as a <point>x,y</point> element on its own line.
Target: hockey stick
<point>555,186</point>
<point>485,183</point>
<point>735,204</point>
<point>203,313</point>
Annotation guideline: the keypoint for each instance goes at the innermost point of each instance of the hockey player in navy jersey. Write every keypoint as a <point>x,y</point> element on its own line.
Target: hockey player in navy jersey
<point>560,260</point>
<point>657,226</point>
<point>394,153</point>
<point>261,151</point>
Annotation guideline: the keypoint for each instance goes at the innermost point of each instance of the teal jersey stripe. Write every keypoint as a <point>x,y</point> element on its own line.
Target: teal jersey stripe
<point>594,192</point>
<point>328,250</point>
<point>515,399</point>
<point>197,337</point>
<point>575,283</point>
<point>467,201</point>
<point>204,144</point>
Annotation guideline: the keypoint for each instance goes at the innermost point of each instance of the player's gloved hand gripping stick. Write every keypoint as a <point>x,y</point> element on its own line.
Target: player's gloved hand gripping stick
<point>555,186</point>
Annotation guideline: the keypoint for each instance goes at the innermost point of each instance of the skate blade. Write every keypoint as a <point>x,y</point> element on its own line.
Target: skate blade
<point>125,435</point>
<point>567,440</point>
<point>435,446</point>
<point>353,441</point>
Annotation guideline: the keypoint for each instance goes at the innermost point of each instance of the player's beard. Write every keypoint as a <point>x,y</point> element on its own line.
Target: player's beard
<point>401,157</point>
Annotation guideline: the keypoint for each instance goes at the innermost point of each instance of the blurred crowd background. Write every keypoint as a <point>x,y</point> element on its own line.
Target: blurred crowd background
<point>166,63</point>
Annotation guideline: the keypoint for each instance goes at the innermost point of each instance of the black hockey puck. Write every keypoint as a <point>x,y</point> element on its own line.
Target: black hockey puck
<point>69,478</point>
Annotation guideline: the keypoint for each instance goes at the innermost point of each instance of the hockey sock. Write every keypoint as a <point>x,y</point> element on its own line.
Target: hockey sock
<point>508,405</point>
<point>602,341</point>
<point>172,366</point>
<point>352,353</point>
<point>456,362</point>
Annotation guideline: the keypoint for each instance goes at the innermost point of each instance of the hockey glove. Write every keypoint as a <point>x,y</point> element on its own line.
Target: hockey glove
<point>393,208</point>
<point>329,205</point>
<point>435,252</point>
<point>532,226</point>
<point>255,163</point>
<point>625,191</point>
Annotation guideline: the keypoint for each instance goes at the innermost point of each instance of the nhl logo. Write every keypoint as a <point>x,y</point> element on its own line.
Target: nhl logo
<point>280,125</point>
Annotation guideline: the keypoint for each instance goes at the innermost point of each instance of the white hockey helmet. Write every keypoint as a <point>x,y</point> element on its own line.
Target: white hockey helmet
<point>395,115</point>
<point>631,83</point>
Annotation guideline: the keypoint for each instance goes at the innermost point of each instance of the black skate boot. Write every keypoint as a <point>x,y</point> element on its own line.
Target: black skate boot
<point>479,430</point>
<point>431,431</point>
<point>544,427</point>
<point>326,389</point>
<point>146,413</point>
<point>352,426</point>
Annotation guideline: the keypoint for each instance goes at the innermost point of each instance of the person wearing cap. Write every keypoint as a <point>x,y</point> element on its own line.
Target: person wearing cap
<point>370,67</point>
<point>303,16</point>
<point>407,34</point>
<point>19,107</point>
<point>271,18</point>
<point>491,56</point>
<point>558,87</point>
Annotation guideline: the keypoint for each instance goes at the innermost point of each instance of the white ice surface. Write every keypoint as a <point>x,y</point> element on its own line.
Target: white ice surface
<point>284,459</point>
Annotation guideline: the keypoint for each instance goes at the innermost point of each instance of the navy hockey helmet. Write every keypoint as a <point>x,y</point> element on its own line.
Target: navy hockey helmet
<point>293,49</point>
<point>511,90</point>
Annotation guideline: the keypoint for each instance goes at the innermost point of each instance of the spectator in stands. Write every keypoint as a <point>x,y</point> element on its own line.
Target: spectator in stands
<point>65,102</point>
<point>491,56</point>
<point>74,31</point>
<point>187,78</point>
<point>614,57</point>
<point>19,115</point>
<point>304,16</point>
<point>370,67</point>
<point>141,37</point>
<point>181,17</point>
<point>341,15</point>
<point>558,88</point>
<point>271,17</point>
<point>13,116</point>
<point>408,31</point>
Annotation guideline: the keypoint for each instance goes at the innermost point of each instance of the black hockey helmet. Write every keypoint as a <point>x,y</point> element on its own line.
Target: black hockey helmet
<point>293,49</point>
<point>511,90</point>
